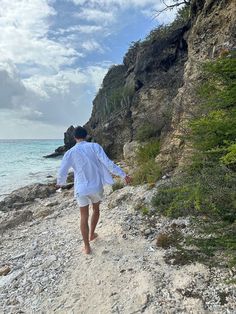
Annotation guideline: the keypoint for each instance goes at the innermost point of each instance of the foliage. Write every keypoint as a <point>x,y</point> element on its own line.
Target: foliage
<point>163,31</point>
<point>117,98</point>
<point>221,241</point>
<point>148,151</point>
<point>229,158</point>
<point>117,186</point>
<point>147,172</point>
<point>146,132</point>
<point>144,210</point>
<point>213,131</point>
<point>165,240</point>
<point>210,192</point>
<point>207,188</point>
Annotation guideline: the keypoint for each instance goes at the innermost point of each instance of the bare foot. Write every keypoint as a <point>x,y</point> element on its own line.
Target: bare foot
<point>86,250</point>
<point>93,236</point>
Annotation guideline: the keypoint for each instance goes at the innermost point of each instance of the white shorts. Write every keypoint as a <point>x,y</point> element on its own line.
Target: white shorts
<point>84,200</point>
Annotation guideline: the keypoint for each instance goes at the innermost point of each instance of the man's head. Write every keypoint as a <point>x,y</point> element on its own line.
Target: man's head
<point>80,133</point>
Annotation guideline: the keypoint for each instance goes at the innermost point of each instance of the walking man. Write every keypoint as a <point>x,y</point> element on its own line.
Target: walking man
<point>92,170</point>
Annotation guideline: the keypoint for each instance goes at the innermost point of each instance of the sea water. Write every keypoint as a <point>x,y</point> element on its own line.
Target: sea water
<point>22,163</point>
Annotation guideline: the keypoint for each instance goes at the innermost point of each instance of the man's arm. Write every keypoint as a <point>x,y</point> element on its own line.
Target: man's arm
<point>110,165</point>
<point>63,171</point>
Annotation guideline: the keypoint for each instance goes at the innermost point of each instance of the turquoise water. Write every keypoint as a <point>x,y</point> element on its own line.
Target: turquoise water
<point>22,163</point>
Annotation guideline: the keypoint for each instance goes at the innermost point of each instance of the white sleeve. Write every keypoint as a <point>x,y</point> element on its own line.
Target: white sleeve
<point>64,168</point>
<point>109,164</point>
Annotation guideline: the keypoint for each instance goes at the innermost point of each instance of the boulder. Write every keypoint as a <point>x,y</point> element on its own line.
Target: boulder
<point>130,149</point>
<point>26,195</point>
<point>69,142</point>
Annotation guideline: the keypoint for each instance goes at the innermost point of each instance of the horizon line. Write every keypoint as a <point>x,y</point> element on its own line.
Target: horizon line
<point>30,139</point>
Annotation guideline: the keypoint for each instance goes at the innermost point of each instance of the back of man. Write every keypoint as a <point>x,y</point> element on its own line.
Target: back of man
<point>92,170</point>
<point>88,170</point>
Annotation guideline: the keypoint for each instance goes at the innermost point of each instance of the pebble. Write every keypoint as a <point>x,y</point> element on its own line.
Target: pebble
<point>18,256</point>
<point>147,232</point>
<point>5,270</point>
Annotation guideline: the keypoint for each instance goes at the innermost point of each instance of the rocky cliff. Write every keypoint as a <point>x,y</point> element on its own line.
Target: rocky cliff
<point>156,83</point>
<point>69,142</point>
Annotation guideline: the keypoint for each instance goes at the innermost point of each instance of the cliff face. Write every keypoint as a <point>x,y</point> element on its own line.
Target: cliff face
<point>156,83</point>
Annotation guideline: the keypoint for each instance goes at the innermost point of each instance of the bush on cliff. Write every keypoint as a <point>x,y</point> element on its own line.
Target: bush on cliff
<point>146,132</point>
<point>207,188</point>
<point>147,170</point>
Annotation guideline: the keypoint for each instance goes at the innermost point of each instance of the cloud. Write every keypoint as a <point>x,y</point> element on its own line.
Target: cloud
<point>61,98</point>
<point>92,45</point>
<point>53,58</point>
<point>96,15</point>
<point>11,87</point>
<point>24,26</point>
<point>93,9</point>
<point>86,29</point>
<point>164,17</point>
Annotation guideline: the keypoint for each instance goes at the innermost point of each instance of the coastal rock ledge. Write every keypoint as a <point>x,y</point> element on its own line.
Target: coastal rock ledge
<point>69,142</point>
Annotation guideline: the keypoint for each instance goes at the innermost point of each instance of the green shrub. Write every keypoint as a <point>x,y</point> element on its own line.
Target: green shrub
<point>213,131</point>
<point>144,210</point>
<point>117,186</point>
<point>229,158</point>
<point>146,132</point>
<point>209,192</point>
<point>147,172</point>
<point>148,151</point>
<point>163,31</point>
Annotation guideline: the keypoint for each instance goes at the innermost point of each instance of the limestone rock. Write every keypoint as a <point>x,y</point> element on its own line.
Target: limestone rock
<point>130,149</point>
<point>156,83</point>
<point>26,195</point>
<point>4,270</point>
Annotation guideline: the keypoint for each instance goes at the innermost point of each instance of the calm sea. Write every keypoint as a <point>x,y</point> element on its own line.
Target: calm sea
<point>22,163</point>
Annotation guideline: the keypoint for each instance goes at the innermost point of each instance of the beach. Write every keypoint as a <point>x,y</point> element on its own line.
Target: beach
<point>46,271</point>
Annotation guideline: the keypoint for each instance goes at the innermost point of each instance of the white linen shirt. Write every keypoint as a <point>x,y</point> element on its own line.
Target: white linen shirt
<point>91,167</point>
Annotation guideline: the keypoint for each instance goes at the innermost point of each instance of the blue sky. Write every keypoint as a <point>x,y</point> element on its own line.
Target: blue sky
<point>54,55</point>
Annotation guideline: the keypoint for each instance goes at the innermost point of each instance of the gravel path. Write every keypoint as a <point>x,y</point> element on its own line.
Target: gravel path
<point>126,273</point>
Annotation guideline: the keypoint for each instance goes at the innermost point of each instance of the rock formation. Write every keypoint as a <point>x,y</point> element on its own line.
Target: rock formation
<point>69,142</point>
<point>156,83</point>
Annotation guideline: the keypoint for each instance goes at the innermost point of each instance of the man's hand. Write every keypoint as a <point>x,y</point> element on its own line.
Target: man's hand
<point>128,179</point>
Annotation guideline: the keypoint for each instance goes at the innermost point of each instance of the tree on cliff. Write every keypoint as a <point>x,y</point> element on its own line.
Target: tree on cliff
<point>174,4</point>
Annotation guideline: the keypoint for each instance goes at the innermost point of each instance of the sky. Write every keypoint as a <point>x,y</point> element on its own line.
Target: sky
<point>54,55</point>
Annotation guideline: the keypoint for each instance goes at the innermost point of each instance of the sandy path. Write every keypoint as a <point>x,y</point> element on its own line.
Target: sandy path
<point>126,273</point>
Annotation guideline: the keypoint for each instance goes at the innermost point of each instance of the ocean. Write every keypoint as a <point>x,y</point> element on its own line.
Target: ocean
<point>22,163</point>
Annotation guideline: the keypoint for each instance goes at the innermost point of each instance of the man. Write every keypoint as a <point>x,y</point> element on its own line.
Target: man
<point>92,170</point>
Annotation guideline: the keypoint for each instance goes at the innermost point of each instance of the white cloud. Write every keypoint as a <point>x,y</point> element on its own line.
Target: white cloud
<point>86,29</point>
<point>92,45</point>
<point>164,17</point>
<point>41,84</point>
<point>58,99</point>
<point>23,35</point>
<point>118,3</point>
<point>93,10</point>
<point>96,15</point>
<point>11,87</point>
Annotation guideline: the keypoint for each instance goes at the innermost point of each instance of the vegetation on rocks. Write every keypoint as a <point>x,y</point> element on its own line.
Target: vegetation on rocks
<point>207,188</point>
<point>147,170</point>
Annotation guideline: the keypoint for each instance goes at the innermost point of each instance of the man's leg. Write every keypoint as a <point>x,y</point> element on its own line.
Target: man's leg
<point>84,227</point>
<point>94,220</point>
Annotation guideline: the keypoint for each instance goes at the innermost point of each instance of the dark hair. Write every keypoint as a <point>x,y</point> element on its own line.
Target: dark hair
<point>80,132</point>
